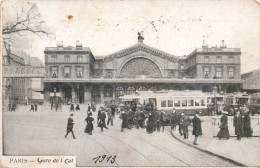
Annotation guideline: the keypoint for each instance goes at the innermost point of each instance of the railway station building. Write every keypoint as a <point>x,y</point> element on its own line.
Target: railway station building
<point>75,74</point>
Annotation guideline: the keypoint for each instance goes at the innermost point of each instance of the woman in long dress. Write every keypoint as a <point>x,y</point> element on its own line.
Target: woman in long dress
<point>223,132</point>
<point>89,126</point>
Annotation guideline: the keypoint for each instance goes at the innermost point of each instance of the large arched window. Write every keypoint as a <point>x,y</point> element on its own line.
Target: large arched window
<point>153,88</point>
<point>130,90</point>
<point>142,88</point>
<point>119,91</point>
<point>108,91</point>
<point>95,91</point>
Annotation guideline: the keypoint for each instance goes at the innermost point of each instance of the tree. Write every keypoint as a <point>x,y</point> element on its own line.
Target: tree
<point>22,18</point>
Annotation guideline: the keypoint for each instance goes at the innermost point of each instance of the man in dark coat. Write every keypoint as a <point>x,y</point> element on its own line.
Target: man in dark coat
<point>9,107</point>
<point>72,107</point>
<point>185,122</point>
<point>149,127</point>
<point>88,107</point>
<point>174,119</point>
<point>70,126</point>
<point>196,127</point>
<point>102,121</point>
<point>35,107</point>
<point>124,118</point>
<point>238,124</point>
<point>138,118</point>
<point>99,114</point>
<point>247,125</point>
<point>32,108</point>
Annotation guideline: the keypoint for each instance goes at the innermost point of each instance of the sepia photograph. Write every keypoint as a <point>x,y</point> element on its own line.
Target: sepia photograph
<point>130,83</point>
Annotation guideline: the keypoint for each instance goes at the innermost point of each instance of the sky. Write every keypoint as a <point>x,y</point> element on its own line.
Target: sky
<point>174,26</point>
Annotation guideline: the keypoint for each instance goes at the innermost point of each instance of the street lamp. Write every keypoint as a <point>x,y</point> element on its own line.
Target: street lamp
<point>54,91</point>
<point>215,92</point>
<point>78,93</point>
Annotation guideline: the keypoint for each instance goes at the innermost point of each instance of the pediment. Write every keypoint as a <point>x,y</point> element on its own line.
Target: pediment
<point>140,47</point>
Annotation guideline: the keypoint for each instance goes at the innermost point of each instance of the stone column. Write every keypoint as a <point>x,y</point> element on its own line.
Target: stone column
<point>102,94</point>
<point>114,93</point>
<point>73,93</point>
<point>87,92</point>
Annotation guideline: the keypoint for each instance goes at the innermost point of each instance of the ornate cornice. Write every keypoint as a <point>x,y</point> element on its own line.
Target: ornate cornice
<point>141,47</point>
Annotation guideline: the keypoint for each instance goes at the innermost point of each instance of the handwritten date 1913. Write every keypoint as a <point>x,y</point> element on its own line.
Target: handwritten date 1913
<point>106,158</point>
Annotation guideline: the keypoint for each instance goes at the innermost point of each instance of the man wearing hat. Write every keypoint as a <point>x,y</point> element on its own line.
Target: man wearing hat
<point>174,119</point>
<point>185,122</point>
<point>196,127</point>
<point>238,124</point>
<point>70,126</point>
<point>124,118</point>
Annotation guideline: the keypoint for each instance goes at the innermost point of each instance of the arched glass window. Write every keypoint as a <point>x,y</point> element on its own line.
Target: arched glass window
<point>142,88</point>
<point>130,90</point>
<point>95,91</point>
<point>153,88</point>
<point>108,91</point>
<point>119,91</point>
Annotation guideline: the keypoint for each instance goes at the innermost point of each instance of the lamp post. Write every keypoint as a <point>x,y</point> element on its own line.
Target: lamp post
<point>54,91</point>
<point>215,92</point>
<point>78,93</point>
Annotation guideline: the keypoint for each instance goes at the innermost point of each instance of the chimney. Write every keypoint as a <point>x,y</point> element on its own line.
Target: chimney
<point>204,46</point>
<point>223,45</point>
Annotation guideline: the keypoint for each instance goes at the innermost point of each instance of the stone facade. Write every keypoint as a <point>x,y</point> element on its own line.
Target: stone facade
<point>251,81</point>
<point>77,75</point>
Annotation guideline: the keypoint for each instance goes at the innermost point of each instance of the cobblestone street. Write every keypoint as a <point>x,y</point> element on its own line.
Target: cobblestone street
<point>42,133</point>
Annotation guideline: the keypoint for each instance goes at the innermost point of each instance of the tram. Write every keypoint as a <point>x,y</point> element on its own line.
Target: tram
<point>255,103</point>
<point>237,99</point>
<point>183,101</point>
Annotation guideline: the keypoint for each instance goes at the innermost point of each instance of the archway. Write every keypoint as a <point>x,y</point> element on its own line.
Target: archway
<point>67,89</point>
<point>140,66</point>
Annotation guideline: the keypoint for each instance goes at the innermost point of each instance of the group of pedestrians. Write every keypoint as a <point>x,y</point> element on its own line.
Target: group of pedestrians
<point>11,107</point>
<point>183,121</point>
<point>34,107</point>
<point>241,123</point>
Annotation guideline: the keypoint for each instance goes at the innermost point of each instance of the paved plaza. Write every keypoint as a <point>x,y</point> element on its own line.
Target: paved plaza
<point>42,133</point>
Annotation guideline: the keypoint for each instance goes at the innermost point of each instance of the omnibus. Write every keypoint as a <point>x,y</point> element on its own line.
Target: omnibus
<point>237,99</point>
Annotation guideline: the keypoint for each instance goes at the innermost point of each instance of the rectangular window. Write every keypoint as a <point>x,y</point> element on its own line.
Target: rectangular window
<point>79,71</point>
<point>54,58</point>
<point>190,102</point>
<point>184,103</point>
<point>202,102</point>
<point>218,59</point>
<point>54,72</point>
<point>231,72</point>
<point>197,102</point>
<point>177,103</point>
<point>67,72</point>
<point>79,58</point>
<point>206,72</point>
<point>67,58</point>
<point>219,72</point>
<point>206,59</point>
<point>170,103</point>
<point>163,103</point>
<point>231,59</point>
